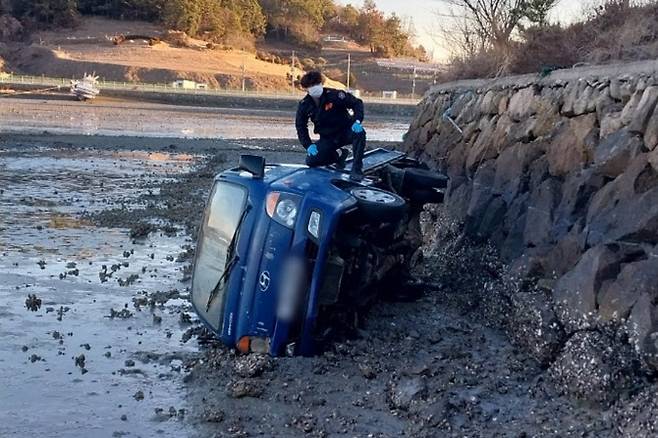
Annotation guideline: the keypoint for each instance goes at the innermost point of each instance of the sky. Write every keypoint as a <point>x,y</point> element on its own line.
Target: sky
<point>424,16</point>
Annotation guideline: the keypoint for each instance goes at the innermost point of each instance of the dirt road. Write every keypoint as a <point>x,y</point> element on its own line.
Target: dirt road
<point>95,237</point>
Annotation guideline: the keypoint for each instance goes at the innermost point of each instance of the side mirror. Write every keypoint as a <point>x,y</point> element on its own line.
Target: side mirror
<point>253,164</point>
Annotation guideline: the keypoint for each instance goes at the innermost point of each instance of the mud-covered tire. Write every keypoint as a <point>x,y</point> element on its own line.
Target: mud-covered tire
<point>423,179</point>
<point>378,205</point>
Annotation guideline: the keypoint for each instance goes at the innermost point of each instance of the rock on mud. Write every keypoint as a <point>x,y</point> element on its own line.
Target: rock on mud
<point>402,394</point>
<point>591,368</point>
<point>121,314</point>
<point>141,230</point>
<point>185,318</point>
<point>213,416</point>
<point>533,325</point>
<point>33,303</point>
<point>245,388</point>
<point>639,418</point>
<point>252,365</point>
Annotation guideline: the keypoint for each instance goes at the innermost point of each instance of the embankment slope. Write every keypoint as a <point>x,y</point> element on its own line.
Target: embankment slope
<point>560,174</point>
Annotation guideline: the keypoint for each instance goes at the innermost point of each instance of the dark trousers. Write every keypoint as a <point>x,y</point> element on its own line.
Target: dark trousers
<point>328,149</point>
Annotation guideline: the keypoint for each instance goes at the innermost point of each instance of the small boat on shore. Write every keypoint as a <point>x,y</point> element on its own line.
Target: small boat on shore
<point>86,88</point>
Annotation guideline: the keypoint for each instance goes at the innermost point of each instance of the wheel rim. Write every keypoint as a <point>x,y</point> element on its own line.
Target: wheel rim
<point>375,196</point>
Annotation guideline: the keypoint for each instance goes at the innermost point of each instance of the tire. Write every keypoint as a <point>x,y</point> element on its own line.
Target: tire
<point>378,205</point>
<point>415,179</point>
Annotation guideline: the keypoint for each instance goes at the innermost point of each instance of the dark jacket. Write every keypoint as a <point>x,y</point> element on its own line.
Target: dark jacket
<point>330,117</point>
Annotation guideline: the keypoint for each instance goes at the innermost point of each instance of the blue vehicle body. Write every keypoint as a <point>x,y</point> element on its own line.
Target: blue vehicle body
<point>268,301</point>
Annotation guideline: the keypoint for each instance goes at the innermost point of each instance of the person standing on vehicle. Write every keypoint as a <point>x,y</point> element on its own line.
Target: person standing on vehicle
<point>329,109</point>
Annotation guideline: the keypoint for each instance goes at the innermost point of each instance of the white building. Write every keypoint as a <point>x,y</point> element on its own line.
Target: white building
<point>188,85</point>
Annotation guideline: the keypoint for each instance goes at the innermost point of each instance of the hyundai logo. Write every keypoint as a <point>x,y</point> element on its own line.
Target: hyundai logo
<point>264,281</point>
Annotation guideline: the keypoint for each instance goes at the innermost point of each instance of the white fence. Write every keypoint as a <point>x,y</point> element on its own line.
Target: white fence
<point>42,81</point>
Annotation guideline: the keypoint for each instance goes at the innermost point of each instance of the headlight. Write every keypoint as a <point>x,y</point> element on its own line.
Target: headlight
<point>282,208</point>
<point>314,224</point>
<point>286,210</point>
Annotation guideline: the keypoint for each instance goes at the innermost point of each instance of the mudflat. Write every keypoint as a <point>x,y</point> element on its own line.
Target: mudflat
<point>96,244</point>
<point>105,116</point>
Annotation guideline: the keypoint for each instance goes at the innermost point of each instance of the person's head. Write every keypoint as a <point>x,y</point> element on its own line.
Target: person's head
<point>312,82</point>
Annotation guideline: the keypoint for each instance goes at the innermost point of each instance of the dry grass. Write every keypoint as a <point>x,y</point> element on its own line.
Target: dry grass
<point>620,33</point>
<point>89,43</point>
<point>611,33</point>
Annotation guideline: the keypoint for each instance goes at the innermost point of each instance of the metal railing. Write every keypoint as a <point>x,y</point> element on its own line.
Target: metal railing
<point>12,79</point>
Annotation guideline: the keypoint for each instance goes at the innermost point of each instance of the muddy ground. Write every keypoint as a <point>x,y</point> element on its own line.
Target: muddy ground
<point>99,338</point>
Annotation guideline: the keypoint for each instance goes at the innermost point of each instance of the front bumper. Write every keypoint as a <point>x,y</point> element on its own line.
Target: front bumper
<point>284,316</point>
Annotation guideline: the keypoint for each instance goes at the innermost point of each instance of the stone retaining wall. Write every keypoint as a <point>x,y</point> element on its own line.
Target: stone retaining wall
<point>561,174</point>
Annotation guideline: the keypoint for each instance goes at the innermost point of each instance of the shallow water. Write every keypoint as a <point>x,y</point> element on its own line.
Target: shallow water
<point>152,120</point>
<point>43,392</point>
<point>49,249</point>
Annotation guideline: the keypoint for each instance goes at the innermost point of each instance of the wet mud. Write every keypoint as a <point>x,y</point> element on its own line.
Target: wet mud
<point>125,118</point>
<point>95,263</point>
<point>99,338</point>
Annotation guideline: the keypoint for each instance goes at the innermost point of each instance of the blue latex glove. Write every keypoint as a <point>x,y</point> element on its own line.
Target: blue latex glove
<point>312,150</point>
<point>357,128</point>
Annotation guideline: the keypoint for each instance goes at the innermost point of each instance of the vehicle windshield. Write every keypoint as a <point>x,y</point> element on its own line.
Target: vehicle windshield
<point>222,217</point>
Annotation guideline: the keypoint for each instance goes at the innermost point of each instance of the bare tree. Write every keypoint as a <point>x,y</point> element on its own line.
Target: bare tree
<point>495,20</point>
<point>477,26</point>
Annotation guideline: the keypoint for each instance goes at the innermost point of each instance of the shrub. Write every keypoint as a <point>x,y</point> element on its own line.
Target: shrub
<point>480,65</point>
<point>334,74</point>
<point>550,47</point>
<point>10,28</point>
<point>307,64</point>
<point>614,31</point>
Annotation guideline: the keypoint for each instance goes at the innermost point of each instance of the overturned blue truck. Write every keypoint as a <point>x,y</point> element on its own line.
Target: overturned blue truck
<point>288,256</point>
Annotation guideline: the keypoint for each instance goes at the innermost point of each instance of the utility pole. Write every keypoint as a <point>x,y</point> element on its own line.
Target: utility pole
<point>243,75</point>
<point>413,85</point>
<point>292,73</point>
<point>349,69</point>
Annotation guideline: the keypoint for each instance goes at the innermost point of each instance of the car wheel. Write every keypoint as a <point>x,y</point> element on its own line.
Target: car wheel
<point>379,205</point>
<point>423,179</point>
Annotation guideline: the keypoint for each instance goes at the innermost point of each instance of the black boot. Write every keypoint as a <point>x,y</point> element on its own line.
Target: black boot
<point>356,176</point>
<point>359,147</point>
<point>342,158</point>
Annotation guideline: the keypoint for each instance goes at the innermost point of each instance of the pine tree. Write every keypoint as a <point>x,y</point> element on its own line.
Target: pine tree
<point>48,12</point>
<point>183,15</point>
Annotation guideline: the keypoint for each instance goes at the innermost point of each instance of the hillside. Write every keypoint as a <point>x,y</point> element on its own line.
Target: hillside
<point>89,48</point>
